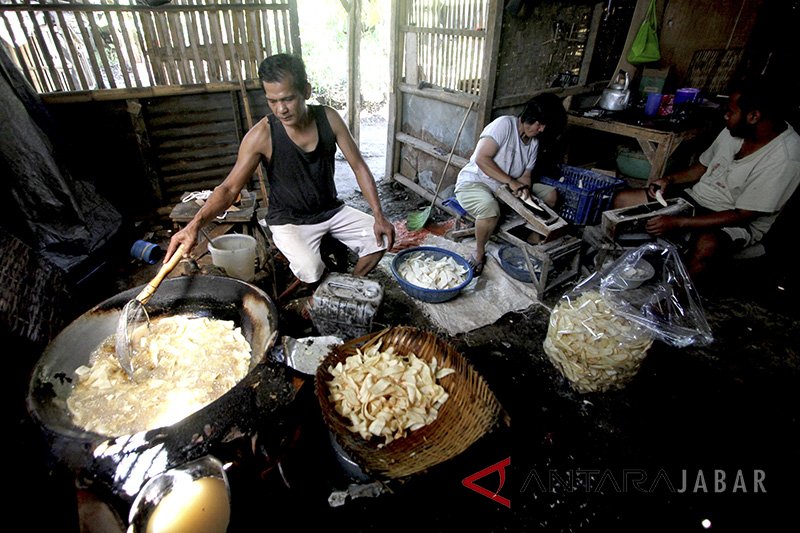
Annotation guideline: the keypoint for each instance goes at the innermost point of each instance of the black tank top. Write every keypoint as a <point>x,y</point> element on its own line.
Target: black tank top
<point>301,186</point>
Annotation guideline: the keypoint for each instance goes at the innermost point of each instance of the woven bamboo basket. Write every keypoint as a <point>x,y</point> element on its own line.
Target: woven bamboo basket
<point>468,414</point>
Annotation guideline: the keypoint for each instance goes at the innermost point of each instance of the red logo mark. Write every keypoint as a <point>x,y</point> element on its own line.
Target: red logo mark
<point>500,468</point>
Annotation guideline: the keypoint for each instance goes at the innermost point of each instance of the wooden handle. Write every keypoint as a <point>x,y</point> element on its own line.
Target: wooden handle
<point>450,156</point>
<point>151,287</point>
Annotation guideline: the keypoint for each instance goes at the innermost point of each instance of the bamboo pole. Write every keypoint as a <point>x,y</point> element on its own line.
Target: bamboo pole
<point>123,71</point>
<point>176,32</point>
<point>276,28</point>
<point>267,33</point>
<point>258,37</point>
<point>194,42</point>
<point>153,49</point>
<point>213,21</point>
<point>88,43</point>
<point>23,61</point>
<point>59,51</point>
<point>166,44</point>
<point>101,49</point>
<point>45,51</point>
<point>145,56</point>
<point>245,41</point>
<point>76,58</point>
<point>213,64</point>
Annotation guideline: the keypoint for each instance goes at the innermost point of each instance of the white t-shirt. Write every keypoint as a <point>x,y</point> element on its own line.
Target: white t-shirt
<point>513,156</point>
<point>763,181</point>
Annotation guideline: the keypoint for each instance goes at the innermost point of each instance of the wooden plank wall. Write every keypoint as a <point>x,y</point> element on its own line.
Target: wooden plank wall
<point>193,143</point>
<point>77,46</point>
<point>144,152</point>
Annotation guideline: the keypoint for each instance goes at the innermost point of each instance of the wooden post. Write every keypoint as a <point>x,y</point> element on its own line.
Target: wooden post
<point>295,25</point>
<point>146,155</point>
<point>397,18</point>
<point>412,67</point>
<point>353,70</point>
<point>491,51</point>
<point>588,49</point>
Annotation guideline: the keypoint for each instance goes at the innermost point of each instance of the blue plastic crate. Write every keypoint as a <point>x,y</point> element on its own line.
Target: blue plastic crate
<point>584,194</point>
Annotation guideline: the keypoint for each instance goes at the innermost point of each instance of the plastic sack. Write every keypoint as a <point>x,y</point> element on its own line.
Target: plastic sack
<point>592,346</point>
<point>666,304</point>
<point>600,331</point>
<point>644,48</point>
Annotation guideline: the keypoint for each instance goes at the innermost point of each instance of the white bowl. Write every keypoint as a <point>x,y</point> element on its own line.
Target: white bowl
<point>632,276</point>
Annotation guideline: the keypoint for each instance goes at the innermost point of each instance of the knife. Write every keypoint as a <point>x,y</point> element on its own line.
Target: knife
<point>659,196</point>
<point>533,204</point>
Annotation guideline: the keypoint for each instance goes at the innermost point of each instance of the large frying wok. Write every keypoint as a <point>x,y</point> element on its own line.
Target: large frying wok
<point>125,462</point>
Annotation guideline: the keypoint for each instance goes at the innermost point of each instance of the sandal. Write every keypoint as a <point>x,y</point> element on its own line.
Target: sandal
<point>477,266</point>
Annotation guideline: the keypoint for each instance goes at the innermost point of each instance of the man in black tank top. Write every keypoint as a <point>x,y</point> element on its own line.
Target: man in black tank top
<point>298,144</point>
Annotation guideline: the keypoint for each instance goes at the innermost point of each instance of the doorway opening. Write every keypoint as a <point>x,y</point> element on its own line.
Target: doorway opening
<point>324,26</point>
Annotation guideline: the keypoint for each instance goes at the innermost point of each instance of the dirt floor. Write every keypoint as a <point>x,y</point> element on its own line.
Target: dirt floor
<point>703,437</point>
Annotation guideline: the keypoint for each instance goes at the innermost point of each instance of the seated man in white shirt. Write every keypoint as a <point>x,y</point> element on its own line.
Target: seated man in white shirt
<point>740,183</point>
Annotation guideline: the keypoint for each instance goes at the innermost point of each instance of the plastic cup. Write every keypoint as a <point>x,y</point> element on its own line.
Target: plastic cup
<point>687,94</point>
<point>236,254</point>
<point>148,252</point>
<point>652,103</point>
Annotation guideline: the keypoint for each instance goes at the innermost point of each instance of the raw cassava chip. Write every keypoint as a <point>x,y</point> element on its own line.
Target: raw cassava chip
<point>384,394</point>
<point>424,271</point>
<point>592,346</point>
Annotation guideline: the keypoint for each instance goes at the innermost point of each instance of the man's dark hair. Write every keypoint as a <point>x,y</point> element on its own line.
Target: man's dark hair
<point>275,68</point>
<point>547,109</point>
<point>762,95</point>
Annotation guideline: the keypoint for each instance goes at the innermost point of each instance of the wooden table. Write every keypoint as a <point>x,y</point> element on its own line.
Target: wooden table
<point>242,218</point>
<point>242,214</point>
<point>657,145</point>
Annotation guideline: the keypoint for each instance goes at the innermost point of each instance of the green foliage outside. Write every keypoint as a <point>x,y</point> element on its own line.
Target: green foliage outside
<point>323,34</point>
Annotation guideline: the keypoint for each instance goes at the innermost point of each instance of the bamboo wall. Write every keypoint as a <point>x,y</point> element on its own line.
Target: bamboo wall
<point>107,44</point>
<point>545,49</point>
<point>447,41</point>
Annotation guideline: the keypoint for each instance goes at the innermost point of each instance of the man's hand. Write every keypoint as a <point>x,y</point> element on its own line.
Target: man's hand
<point>661,184</point>
<point>520,189</point>
<point>187,236</point>
<point>663,224</point>
<point>382,228</point>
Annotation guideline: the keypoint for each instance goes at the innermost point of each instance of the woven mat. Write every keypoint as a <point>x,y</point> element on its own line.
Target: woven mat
<point>33,293</point>
<point>483,301</point>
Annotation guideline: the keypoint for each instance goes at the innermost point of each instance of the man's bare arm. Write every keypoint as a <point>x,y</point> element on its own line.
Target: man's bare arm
<point>247,160</point>
<point>366,182</point>
<point>684,177</point>
<point>721,219</point>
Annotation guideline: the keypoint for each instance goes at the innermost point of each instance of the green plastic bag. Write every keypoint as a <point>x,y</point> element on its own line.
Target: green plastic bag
<point>644,48</point>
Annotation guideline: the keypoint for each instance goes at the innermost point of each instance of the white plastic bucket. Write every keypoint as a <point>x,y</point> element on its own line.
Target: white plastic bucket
<point>236,254</point>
